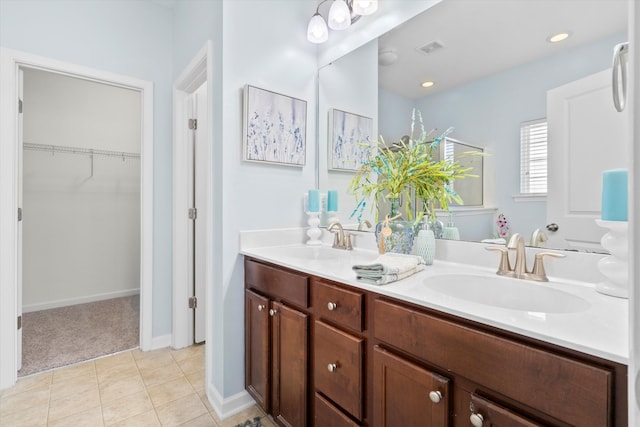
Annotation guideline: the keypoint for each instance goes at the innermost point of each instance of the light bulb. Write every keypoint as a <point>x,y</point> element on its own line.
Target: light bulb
<point>317,31</point>
<point>339,15</point>
<point>365,7</point>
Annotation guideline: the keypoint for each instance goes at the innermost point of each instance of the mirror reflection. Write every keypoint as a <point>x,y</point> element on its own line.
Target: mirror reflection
<point>491,65</point>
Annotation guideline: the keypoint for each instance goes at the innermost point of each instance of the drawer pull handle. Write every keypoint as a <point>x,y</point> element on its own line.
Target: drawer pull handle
<point>332,306</point>
<point>273,312</point>
<point>332,367</point>
<point>261,307</point>
<point>435,396</point>
<point>476,420</point>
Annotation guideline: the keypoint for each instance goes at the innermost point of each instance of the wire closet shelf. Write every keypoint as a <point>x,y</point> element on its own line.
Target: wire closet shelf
<point>78,150</point>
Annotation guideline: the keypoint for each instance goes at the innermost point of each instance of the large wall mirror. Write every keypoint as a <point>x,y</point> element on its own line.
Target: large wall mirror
<point>492,66</point>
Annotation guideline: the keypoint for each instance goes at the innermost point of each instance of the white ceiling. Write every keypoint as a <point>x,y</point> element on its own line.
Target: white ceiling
<point>482,37</point>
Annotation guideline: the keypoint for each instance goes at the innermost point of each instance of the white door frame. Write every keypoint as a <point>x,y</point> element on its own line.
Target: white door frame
<point>10,62</point>
<point>194,75</point>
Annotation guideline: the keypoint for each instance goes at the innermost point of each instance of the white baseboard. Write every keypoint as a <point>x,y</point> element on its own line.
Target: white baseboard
<point>79,300</point>
<point>230,406</point>
<point>161,342</point>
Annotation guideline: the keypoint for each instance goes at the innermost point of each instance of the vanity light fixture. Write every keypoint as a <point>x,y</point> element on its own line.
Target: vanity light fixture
<point>341,15</point>
<point>555,38</point>
<point>427,84</point>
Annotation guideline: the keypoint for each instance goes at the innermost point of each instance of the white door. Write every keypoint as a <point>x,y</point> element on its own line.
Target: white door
<point>586,136</point>
<point>19,249</point>
<point>198,201</point>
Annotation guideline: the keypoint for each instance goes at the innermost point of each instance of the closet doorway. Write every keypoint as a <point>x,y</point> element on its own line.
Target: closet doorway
<point>80,219</point>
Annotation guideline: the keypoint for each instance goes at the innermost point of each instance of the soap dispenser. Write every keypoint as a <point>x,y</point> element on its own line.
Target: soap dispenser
<point>426,243</point>
<point>451,232</point>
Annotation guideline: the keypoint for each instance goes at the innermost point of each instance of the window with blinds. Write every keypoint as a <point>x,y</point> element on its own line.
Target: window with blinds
<point>533,157</point>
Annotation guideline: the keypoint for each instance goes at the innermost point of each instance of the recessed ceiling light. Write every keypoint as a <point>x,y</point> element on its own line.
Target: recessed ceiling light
<point>555,38</point>
<point>427,84</point>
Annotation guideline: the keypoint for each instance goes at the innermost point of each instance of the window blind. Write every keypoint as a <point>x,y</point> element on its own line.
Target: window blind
<point>533,157</point>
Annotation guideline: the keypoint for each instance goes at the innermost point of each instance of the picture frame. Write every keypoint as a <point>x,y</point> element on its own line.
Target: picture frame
<point>351,137</point>
<point>274,128</point>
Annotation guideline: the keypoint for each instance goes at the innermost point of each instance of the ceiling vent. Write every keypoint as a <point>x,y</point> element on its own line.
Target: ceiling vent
<point>431,47</point>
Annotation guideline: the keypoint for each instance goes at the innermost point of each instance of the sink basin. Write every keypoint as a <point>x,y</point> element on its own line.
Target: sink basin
<point>514,294</point>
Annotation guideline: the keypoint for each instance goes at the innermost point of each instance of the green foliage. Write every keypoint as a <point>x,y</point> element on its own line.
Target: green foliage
<point>408,167</point>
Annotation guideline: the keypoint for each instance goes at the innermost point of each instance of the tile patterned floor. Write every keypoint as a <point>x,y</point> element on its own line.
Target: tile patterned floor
<point>134,388</point>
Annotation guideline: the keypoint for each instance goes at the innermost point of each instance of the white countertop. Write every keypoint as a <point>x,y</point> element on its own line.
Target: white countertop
<point>601,329</point>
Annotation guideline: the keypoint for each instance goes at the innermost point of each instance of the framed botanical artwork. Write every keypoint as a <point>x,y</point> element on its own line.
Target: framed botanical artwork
<point>350,140</point>
<point>274,128</point>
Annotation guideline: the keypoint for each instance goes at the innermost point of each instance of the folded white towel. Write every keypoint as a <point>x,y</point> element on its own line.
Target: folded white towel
<point>388,268</point>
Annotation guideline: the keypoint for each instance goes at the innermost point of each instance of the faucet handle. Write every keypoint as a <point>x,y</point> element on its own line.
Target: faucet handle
<point>538,273</point>
<point>347,241</point>
<point>505,267</point>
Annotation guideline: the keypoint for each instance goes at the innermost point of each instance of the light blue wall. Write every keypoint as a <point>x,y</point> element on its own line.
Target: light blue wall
<point>126,37</point>
<point>488,112</point>
<point>395,115</point>
<point>263,44</point>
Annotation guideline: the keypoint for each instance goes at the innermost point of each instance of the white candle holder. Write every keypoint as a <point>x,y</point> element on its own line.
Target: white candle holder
<point>615,266</point>
<point>314,232</point>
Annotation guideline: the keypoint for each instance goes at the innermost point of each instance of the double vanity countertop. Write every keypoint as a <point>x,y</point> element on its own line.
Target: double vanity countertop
<point>567,313</point>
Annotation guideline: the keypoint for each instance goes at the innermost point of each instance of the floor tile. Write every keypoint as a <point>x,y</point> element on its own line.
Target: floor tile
<point>192,364</point>
<point>113,390</point>
<point>34,417</point>
<point>89,418</point>
<point>180,411</point>
<point>188,352</point>
<point>117,372</point>
<point>146,419</point>
<point>75,385</point>
<point>74,404</point>
<point>157,361</point>
<point>26,400</point>
<point>125,407</point>
<point>197,380</point>
<point>204,420</point>
<point>162,375</point>
<point>241,417</point>
<point>74,371</point>
<point>28,383</point>
<point>169,391</point>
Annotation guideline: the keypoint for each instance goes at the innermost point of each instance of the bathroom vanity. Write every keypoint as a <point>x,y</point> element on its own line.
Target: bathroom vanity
<point>325,351</point>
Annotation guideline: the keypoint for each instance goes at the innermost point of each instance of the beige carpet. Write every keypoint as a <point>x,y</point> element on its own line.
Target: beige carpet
<point>66,335</point>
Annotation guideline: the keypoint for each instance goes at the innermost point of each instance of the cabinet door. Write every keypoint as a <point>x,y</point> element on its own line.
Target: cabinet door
<point>290,335</point>
<point>489,414</point>
<point>406,394</point>
<point>257,360</point>
<point>328,415</point>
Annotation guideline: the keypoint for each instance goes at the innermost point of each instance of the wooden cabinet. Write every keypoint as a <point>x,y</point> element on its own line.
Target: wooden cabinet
<point>340,356</point>
<point>406,394</point>
<point>277,344</point>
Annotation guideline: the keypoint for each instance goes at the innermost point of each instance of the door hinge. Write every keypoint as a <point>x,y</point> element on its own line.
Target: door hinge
<point>193,213</point>
<point>193,124</point>
<point>19,322</point>
<point>19,106</point>
<point>19,214</point>
<point>193,302</point>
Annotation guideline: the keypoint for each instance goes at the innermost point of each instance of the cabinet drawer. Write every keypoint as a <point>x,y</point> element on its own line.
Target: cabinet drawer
<point>569,390</point>
<point>338,367</point>
<point>277,283</point>
<point>493,414</point>
<point>337,304</point>
<point>328,415</point>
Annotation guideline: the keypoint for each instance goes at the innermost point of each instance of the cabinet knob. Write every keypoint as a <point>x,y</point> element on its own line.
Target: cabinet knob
<point>273,312</point>
<point>435,396</point>
<point>332,306</point>
<point>261,307</point>
<point>477,420</point>
<point>332,367</point>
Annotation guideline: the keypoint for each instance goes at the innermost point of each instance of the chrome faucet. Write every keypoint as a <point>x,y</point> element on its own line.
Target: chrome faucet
<point>519,270</point>
<point>342,239</point>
